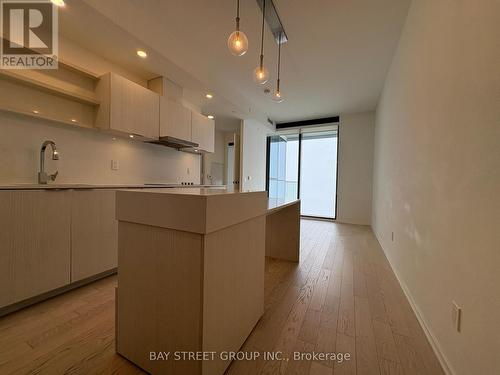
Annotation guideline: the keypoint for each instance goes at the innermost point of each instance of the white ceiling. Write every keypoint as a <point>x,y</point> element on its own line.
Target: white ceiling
<point>335,61</point>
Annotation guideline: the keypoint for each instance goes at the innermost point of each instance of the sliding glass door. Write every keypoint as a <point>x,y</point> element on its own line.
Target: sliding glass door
<point>318,174</point>
<point>304,165</point>
<point>283,167</point>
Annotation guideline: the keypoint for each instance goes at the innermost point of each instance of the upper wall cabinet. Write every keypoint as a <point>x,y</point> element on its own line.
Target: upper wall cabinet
<point>127,107</point>
<point>203,132</point>
<point>179,122</point>
<point>175,119</point>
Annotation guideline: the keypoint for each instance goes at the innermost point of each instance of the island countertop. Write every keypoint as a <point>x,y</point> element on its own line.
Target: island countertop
<point>198,210</point>
<point>274,204</point>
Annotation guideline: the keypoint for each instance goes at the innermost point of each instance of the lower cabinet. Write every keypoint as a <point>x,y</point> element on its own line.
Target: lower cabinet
<point>34,243</point>
<point>51,238</point>
<point>94,233</point>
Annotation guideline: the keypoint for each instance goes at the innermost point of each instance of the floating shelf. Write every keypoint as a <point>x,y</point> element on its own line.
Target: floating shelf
<point>46,117</point>
<point>36,79</point>
<point>79,70</point>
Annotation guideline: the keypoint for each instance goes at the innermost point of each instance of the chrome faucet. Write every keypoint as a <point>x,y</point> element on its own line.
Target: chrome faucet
<point>43,177</point>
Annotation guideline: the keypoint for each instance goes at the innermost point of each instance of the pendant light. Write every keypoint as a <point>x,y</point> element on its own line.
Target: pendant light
<point>261,74</point>
<point>277,96</point>
<point>237,41</point>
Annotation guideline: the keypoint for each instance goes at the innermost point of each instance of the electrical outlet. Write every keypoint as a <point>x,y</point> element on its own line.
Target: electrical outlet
<point>115,165</point>
<point>456,315</point>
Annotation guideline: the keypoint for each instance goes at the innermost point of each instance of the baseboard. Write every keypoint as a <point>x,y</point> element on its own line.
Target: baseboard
<point>352,222</point>
<point>445,364</point>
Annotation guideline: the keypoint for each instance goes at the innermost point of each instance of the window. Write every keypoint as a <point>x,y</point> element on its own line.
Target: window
<point>283,156</point>
<point>304,165</point>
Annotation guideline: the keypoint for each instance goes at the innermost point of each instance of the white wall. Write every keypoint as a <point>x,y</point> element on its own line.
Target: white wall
<point>85,155</point>
<point>355,165</point>
<point>253,155</point>
<point>437,175</point>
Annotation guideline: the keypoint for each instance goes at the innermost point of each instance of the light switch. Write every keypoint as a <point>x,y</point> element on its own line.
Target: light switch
<point>115,165</point>
<point>456,315</point>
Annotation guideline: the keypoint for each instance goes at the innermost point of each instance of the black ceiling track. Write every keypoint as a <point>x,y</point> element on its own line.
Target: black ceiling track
<point>316,121</point>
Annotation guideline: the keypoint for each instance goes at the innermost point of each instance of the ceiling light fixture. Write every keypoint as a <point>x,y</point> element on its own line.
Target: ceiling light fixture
<point>36,111</point>
<point>261,74</point>
<point>131,135</point>
<point>59,3</point>
<point>209,96</point>
<point>211,117</point>
<point>73,120</point>
<point>142,53</point>
<point>277,96</point>
<point>237,41</point>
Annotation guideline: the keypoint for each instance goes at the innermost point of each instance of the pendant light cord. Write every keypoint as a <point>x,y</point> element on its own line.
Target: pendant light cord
<point>237,15</point>
<point>279,61</point>
<point>262,34</point>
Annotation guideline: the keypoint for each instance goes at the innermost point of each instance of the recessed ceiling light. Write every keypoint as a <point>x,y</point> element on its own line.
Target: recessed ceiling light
<point>211,117</point>
<point>209,96</point>
<point>36,112</point>
<point>131,135</point>
<point>142,53</point>
<point>113,139</point>
<point>73,120</point>
<point>59,3</point>
<point>195,150</point>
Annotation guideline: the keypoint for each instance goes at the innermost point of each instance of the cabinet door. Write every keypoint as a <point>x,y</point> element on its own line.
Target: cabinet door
<point>133,109</point>
<point>175,120</point>
<point>203,132</point>
<point>34,243</point>
<point>94,233</point>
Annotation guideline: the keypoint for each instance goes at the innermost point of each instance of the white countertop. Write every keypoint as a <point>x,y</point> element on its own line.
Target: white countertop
<point>197,210</point>
<point>101,186</point>
<point>207,190</point>
<point>274,204</point>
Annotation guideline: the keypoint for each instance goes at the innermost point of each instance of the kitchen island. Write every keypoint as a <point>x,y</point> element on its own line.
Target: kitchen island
<point>190,275</point>
<point>283,229</point>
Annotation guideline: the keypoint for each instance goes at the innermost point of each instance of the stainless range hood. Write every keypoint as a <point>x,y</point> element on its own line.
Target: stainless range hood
<point>176,143</point>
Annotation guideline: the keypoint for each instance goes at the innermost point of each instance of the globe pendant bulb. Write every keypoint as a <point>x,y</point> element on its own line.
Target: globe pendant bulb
<point>278,96</point>
<point>261,75</point>
<point>237,43</point>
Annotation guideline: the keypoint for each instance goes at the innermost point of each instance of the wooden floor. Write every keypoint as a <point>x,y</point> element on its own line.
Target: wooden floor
<point>342,297</point>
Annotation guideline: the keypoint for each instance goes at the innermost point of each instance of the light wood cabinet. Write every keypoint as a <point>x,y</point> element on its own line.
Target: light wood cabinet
<point>34,243</point>
<point>94,233</point>
<point>127,107</point>
<point>203,132</point>
<point>175,119</point>
<point>191,275</point>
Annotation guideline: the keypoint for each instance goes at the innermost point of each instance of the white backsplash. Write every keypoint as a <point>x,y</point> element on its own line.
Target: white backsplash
<point>86,155</point>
